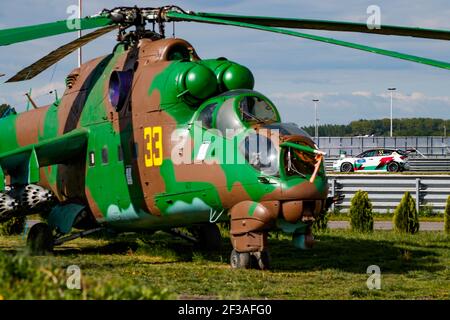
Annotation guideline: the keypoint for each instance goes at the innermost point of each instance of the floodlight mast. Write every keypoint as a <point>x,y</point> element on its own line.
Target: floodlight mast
<point>392,96</point>
<point>316,121</point>
<point>80,12</point>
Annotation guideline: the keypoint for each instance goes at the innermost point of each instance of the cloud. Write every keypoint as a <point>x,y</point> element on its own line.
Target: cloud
<point>350,84</point>
<point>366,94</point>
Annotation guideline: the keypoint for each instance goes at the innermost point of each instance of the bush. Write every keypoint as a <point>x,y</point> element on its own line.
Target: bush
<point>447,217</point>
<point>13,226</point>
<point>427,211</point>
<point>405,217</point>
<point>320,224</point>
<point>22,278</point>
<point>361,215</point>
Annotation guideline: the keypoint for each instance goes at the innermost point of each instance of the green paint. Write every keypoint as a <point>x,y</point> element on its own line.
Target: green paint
<point>299,147</point>
<point>252,208</point>
<point>15,35</point>
<point>184,191</point>
<point>333,25</point>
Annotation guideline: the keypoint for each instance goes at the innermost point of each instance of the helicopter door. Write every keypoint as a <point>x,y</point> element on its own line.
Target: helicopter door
<point>106,187</point>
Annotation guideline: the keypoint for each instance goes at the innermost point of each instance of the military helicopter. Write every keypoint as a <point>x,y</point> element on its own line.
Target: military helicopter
<point>151,137</point>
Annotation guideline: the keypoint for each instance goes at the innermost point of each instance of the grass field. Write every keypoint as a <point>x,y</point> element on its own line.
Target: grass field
<point>412,267</point>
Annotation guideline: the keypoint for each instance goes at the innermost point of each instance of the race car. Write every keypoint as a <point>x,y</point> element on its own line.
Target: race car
<point>390,160</point>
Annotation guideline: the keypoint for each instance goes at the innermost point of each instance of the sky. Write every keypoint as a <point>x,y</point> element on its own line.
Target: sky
<point>350,84</point>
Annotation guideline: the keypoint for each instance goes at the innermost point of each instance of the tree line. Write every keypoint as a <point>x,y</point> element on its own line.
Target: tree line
<point>381,127</point>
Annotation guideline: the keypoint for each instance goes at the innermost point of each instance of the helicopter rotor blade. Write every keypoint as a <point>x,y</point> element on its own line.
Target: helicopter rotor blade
<point>21,34</point>
<point>58,54</point>
<point>333,26</point>
<point>177,16</point>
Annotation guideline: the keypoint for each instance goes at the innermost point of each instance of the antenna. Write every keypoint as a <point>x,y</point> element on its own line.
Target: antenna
<point>28,95</point>
<point>28,102</point>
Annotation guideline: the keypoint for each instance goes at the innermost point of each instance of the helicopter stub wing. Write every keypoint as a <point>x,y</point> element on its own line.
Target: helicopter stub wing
<point>22,164</point>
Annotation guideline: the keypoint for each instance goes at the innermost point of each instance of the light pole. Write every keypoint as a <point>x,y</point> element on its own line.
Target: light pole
<point>392,96</point>
<point>80,12</point>
<point>316,121</point>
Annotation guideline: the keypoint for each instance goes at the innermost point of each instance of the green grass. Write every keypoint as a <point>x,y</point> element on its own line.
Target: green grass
<point>412,266</point>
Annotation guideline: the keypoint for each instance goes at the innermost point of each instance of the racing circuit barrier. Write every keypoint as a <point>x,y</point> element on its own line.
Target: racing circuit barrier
<point>429,146</point>
<point>416,164</point>
<point>386,190</point>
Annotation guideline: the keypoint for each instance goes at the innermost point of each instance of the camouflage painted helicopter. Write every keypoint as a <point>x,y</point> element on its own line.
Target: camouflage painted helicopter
<point>105,156</point>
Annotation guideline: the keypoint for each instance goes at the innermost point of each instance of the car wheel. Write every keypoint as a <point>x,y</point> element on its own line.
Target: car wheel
<point>393,167</point>
<point>346,167</point>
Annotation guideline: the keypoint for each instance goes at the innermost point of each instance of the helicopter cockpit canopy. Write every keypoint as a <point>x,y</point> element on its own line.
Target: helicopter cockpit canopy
<point>237,110</point>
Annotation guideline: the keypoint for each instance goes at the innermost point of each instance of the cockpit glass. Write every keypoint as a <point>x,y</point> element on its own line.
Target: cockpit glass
<point>206,115</point>
<point>260,153</point>
<point>255,109</point>
<point>288,129</point>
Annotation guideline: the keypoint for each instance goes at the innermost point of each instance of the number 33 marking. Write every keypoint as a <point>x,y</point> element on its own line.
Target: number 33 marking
<point>154,154</point>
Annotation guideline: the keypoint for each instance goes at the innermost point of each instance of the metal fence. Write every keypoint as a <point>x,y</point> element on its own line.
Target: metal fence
<point>418,165</point>
<point>386,191</point>
<point>429,146</point>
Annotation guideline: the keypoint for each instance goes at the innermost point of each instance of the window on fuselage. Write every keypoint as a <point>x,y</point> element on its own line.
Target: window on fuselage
<point>105,155</point>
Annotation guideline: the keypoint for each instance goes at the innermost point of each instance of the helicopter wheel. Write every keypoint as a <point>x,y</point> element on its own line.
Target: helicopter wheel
<point>40,239</point>
<point>240,260</point>
<point>261,260</point>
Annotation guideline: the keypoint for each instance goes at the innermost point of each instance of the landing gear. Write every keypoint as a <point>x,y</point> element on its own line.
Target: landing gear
<point>261,260</point>
<point>204,236</point>
<point>208,236</point>
<point>246,260</point>
<point>240,260</point>
<point>40,239</point>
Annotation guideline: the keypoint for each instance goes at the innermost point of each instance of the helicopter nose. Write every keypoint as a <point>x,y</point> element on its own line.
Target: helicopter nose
<point>303,202</point>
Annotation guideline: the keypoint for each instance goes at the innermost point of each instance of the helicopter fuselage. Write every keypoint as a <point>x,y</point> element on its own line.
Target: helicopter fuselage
<point>120,114</point>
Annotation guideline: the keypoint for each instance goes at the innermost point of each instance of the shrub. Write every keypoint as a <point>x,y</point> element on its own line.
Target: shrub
<point>320,224</point>
<point>405,217</point>
<point>361,215</point>
<point>13,226</point>
<point>447,217</point>
<point>427,211</point>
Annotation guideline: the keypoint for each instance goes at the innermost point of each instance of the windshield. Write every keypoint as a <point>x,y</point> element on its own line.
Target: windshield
<point>288,129</point>
<point>260,153</point>
<point>298,163</point>
<point>255,109</point>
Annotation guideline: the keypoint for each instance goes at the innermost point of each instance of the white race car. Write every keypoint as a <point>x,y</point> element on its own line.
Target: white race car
<point>390,160</point>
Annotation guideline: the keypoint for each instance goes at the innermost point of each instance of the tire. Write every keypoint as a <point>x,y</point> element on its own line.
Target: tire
<point>346,167</point>
<point>261,259</point>
<point>40,239</point>
<point>240,260</point>
<point>209,236</point>
<point>393,167</point>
